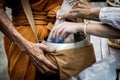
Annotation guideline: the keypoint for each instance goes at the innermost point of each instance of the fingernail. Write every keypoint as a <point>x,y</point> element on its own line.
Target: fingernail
<point>58,17</point>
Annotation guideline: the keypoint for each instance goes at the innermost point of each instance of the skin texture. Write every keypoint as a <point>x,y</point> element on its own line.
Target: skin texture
<point>34,50</point>
<point>84,9</point>
<point>65,29</point>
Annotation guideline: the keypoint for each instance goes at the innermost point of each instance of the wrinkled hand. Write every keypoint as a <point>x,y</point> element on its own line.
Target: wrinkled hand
<point>82,9</point>
<point>36,53</point>
<point>65,29</point>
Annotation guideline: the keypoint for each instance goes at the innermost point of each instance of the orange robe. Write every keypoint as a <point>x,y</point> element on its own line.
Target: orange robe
<point>19,65</point>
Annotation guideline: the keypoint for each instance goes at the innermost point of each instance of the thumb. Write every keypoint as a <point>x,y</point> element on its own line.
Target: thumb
<point>47,48</point>
<point>64,16</point>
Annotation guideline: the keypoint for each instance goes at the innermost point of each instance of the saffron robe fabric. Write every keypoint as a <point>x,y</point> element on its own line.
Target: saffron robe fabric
<point>19,64</point>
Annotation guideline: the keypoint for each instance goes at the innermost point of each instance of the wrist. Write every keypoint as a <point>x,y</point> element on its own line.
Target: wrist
<point>81,28</point>
<point>24,45</point>
<point>94,13</point>
<point>18,39</point>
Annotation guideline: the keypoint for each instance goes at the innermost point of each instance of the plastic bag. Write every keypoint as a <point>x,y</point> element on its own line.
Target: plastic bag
<point>103,70</point>
<point>65,8</point>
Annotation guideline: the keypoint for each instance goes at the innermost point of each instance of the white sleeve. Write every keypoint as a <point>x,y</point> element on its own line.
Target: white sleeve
<point>111,16</point>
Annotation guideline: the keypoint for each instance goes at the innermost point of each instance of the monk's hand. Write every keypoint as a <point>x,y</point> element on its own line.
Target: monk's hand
<point>36,53</point>
<point>82,9</point>
<point>66,28</point>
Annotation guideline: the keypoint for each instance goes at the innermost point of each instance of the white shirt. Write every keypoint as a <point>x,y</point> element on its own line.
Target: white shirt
<point>111,16</point>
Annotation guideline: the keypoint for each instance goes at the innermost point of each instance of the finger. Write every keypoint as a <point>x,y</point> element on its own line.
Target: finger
<point>53,31</point>
<point>58,13</point>
<point>79,12</point>
<point>82,1</point>
<point>58,32</point>
<point>43,65</point>
<point>36,64</point>
<point>63,34</point>
<point>81,6</point>
<point>86,1</point>
<point>75,10</point>
<point>76,4</point>
<point>47,48</point>
<point>64,16</point>
<point>53,72</point>
<point>49,64</point>
<point>43,60</point>
<point>40,65</point>
<point>40,69</point>
<point>44,68</point>
<point>47,70</point>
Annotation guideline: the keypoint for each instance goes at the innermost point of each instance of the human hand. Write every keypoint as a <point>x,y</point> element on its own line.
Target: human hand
<point>65,29</point>
<point>36,53</point>
<point>82,9</point>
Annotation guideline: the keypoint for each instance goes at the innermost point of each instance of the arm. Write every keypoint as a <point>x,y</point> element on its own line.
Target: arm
<point>102,30</point>
<point>7,27</point>
<point>107,15</point>
<point>83,9</point>
<point>34,50</point>
<point>98,29</point>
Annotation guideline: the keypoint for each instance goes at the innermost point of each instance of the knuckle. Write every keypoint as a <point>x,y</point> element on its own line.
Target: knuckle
<point>43,72</point>
<point>47,71</point>
<point>59,32</point>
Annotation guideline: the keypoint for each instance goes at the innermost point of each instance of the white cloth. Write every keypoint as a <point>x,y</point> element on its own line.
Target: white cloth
<point>111,16</point>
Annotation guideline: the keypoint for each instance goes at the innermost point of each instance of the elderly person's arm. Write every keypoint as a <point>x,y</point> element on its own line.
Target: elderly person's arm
<point>34,50</point>
<point>107,15</point>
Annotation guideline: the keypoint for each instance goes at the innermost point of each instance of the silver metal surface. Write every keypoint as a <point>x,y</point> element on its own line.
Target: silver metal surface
<point>64,46</point>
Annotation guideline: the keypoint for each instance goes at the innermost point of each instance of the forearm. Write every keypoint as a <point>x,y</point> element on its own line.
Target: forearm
<point>107,15</point>
<point>7,27</point>
<point>102,30</point>
<point>94,14</point>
